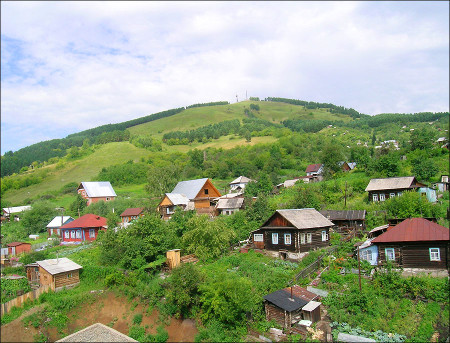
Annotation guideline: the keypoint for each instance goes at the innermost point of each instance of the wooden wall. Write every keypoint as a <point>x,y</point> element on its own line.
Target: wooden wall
<point>67,279</point>
<point>275,313</point>
<point>46,279</point>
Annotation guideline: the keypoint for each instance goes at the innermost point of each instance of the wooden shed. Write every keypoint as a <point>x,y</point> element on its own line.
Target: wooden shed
<point>17,248</point>
<point>59,273</point>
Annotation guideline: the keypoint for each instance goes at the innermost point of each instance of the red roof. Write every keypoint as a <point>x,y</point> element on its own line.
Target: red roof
<point>88,220</point>
<point>301,292</point>
<point>313,167</point>
<point>132,212</point>
<point>414,230</point>
<point>15,244</point>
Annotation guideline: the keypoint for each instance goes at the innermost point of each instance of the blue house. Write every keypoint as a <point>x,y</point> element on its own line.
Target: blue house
<point>369,252</point>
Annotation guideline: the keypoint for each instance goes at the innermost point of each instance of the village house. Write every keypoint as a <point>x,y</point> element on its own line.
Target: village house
<point>228,206</point>
<point>13,213</point>
<point>385,188</point>
<point>96,191</point>
<point>54,227</point>
<point>58,273</point>
<point>291,233</point>
<point>415,243</point>
<point>131,214</point>
<point>198,195</point>
<point>443,185</point>
<point>346,220</point>
<point>85,228</point>
<point>292,305</point>
<point>17,248</point>
<point>347,166</point>
<point>314,169</point>
<point>289,183</point>
<point>239,184</point>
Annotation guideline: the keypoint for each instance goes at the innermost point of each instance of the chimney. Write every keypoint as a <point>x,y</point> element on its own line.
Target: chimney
<point>291,298</point>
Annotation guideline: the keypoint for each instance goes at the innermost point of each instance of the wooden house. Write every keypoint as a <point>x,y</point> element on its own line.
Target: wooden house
<point>238,185</point>
<point>195,195</point>
<point>289,233</point>
<point>96,191</point>
<point>85,228</point>
<point>314,169</point>
<point>347,166</point>
<point>57,272</point>
<point>228,206</point>
<point>13,213</point>
<point>17,248</point>
<point>131,214</point>
<point>415,243</point>
<point>54,227</point>
<point>345,221</point>
<point>382,189</point>
<point>291,305</point>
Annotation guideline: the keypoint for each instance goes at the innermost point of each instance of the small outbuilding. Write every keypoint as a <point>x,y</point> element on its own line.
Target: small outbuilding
<point>17,248</point>
<point>58,273</point>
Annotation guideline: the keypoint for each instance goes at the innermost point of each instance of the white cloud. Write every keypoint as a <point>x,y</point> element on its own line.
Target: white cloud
<point>76,65</point>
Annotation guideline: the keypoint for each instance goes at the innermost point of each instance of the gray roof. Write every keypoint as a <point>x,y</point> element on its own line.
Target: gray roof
<point>344,215</point>
<point>230,203</point>
<point>282,299</point>
<point>97,332</point>
<point>16,209</point>
<point>305,218</point>
<point>241,179</point>
<point>97,189</point>
<point>58,265</point>
<point>390,183</point>
<point>190,188</point>
<point>288,183</point>
<point>56,222</point>
<point>177,199</point>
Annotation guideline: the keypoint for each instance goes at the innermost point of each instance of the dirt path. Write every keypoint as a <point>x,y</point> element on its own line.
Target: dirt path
<point>108,309</point>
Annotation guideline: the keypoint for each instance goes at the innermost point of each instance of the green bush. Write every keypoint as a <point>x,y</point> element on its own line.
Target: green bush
<point>137,319</point>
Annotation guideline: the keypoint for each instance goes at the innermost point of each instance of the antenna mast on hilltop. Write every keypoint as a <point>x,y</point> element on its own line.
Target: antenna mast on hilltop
<point>237,98</point>
<point>246,97</point>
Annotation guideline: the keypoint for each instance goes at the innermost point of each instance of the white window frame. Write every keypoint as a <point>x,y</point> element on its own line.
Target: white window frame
<point>435,254</point>
<point>302,238</point>
<point>108,199</point>
<point>324,236</point>
<point>91,233</point>
<point>367,255</point>
<point>72,234</point>
<point>399,193</point>
<point>274,238</point>
<point>387,251</point>
<point>258,237</point>
<point>391,195</point>
<point>58,232</point>
<point>78,234</point>
<point>382,197</point>
<point>287,239</point>
<point>375,197</point>
<point>66,234</point>
<point>309,237</point>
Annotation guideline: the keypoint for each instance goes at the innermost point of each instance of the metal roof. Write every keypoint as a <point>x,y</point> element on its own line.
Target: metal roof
<point>241,179</point>
<point>132,211</point>
<point>97,333</point>
<point>414,230</point>
<point>97,189</point>
<point>189,188</point>
<point>56,222</point>
<point>178,199</point>
<point>283,300</point>
<point>378,228</point>
<point>58,265</point>
<point>16,209</point>
<point>15,244</point>
<point>312,305</point>
<point>288,183</point>
<point>305,218</point>
<point>344,215</point>
<point>86,221</point>
<point>391,183</point>
<point>230,203</point>
<point>313,167</point>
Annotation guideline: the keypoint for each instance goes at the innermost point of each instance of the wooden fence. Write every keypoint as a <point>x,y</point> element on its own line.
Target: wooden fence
<point>316,264</point>
<point>6,307</point>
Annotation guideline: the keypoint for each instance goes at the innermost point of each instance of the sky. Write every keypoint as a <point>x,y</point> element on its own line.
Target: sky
<point>67,66</point>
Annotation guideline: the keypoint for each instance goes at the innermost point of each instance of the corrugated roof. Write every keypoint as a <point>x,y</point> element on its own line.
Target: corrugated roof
<point>378,228</point>
<point>414,230</point>
<point>313,167</point>
<point>241,179</point>
<point>135,211</point>
<point>88,220</point>
<point>97,333</point>
<point>178,199</point>
<point>344,215</point>
<point>283,300</point>
<point>301,292</point>
<point>230,203</point>
<point>95,189</point>
<point>15,244</point>
<point>189,188</point>
<point>391,183</point>
<point>58,265</point>
<point>16,209</point>
<point>56,222</point>
<point>305,218</point>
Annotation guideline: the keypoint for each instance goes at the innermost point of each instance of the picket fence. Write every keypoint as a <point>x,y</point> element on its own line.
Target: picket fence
<point>6,307</point>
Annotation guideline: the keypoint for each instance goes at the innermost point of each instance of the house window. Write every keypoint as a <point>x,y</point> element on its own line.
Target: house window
<point>66,234</point>
<point>391,195</point>
<point>324,236</point>
<point>69,275</point>
<point>287,238</point>
<point>258,237</point>
<point>274,238</point>
<point>92,233</point>
<point>382,198</point>
<point>79,234</point>
<point>108,199</point>
<point>390,254</point>
<point>302,238</point>
<point>168,210</point>
<point>366,255</point>
<point>58,232</point>
<point>206,191</point>
<point>435,254</point>
<point>399,193</point>
<point>308,237</point>
<point>375,197</point>
<point>72,234</point>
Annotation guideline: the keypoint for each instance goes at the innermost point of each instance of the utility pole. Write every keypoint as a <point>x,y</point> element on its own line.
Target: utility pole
<point>237,100</point>
<point>359,270</point>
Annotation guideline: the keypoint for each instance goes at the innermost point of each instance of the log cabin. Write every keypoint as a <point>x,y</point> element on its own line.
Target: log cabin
<point>59,273</point>
<point>96,191</point>
<point>344,221</point>
<point>415,243</point>
<point>290,233</point>
<point>85,228</point>
<point>385,188</point>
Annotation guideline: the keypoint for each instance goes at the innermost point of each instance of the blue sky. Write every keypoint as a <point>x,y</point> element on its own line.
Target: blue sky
<point>70,66</point>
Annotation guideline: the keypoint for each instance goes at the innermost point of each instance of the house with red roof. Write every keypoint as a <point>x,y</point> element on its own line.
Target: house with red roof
<point>314,169</point>
<point>131,214</point>
<point>85,228</point>
<point>415,243</point>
